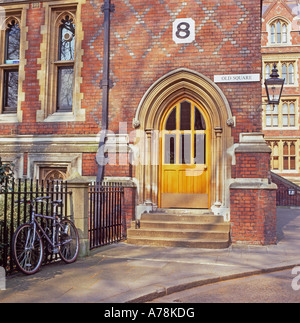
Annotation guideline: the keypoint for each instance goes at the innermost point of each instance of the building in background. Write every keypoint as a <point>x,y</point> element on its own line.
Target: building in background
<point>281,46</point>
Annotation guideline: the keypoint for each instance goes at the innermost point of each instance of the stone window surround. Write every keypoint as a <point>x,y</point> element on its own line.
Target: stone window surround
<point>284,99</point>
<point>17,12</point>
<point>280,143</point>
<point>73,162</point>
<point>281,59</point>
<point>54,11</point>
<point>283,21</point>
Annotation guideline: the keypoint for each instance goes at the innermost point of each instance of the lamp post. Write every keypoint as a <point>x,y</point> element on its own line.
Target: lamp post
<point>274,87</point>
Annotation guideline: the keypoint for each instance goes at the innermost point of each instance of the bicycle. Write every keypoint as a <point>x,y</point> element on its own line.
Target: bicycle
<point>28,245</point>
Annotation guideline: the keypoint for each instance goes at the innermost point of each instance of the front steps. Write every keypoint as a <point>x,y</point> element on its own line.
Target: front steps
<point>181,228</point>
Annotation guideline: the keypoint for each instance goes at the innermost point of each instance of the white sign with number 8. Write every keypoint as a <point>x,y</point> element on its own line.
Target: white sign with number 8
<point>184,31</point>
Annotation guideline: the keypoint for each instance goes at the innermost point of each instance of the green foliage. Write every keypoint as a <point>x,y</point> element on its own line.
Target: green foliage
<point>6,173</point>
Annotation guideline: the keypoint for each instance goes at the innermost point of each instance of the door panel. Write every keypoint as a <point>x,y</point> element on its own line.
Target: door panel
<point>185,157</point>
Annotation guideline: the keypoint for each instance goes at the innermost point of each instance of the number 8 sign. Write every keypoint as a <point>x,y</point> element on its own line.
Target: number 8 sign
<point>184,31</point>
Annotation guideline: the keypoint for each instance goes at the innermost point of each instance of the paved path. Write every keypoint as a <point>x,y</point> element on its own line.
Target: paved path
<point>126,273</point>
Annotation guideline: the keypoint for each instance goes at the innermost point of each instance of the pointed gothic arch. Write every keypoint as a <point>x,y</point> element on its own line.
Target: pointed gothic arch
<point>179,84</point>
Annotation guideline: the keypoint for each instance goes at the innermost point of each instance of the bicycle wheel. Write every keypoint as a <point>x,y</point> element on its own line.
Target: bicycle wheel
<point>69,241</point>
<point>27,248</point>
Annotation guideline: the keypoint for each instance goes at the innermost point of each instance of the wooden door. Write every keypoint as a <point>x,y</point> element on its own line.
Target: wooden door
<point>185,157</point>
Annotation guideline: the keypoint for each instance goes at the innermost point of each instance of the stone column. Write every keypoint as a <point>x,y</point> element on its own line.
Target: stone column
<point>79,207</point>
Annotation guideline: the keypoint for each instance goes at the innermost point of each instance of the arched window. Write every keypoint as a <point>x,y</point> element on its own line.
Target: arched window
<point>12,50</point>
<point>267,71</point>
<point>65,64</point>
<point>284,34</point>
<point>283,115</point>
<point>185,133</point>
<point>289,156</point>
<point>284,73</point>
<point>285,68</point>
<point>275,156</point>
<point>291,73</point>
<point>273,34</point>
<point>11,66</point>
<point>279,32</point>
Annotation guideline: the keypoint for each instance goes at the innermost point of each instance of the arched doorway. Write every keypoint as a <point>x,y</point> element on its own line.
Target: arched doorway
<point>185,163</point>
<point>197,93</point>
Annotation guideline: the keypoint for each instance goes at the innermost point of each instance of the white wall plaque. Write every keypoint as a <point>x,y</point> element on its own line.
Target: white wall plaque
<point>184,31</point>
<point>237,78</point>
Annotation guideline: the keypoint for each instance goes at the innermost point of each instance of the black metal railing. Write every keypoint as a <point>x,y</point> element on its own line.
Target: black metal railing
<point>288,193</point>
<point>14,213</point>
<point>105,213</point>
<point>288,196</point>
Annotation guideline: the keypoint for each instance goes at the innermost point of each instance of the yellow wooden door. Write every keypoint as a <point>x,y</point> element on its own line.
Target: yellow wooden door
<point>185,157</point>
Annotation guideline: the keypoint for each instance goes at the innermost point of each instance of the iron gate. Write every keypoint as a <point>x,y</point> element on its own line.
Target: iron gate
<point>105,213</point>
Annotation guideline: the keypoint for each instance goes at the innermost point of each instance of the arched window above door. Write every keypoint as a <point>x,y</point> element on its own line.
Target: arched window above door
<point>185,135</point>
<point>188,117</point>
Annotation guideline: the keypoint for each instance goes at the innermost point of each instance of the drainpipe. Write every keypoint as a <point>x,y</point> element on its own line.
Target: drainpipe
<point>105,84</point>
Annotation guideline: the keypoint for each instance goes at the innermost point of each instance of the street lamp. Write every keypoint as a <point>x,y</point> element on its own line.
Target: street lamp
<point>274,87</point>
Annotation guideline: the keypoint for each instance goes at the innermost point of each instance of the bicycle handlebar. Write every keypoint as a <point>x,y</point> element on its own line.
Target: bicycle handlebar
<point>37,199</point>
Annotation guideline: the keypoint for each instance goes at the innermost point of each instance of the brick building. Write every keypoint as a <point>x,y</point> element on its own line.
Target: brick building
<point>280,45</point>
<point>184,103</point>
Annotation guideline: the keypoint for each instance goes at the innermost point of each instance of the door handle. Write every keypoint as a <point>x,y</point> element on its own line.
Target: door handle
<point>205,167</point>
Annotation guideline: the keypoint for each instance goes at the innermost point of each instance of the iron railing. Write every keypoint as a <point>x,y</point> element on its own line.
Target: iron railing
<point>105,214</point>
<point>288,193</point>
<point>14,213</point>
<point>288,196</point>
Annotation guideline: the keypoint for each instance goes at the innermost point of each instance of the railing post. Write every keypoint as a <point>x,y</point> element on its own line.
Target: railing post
<point>79,207</point>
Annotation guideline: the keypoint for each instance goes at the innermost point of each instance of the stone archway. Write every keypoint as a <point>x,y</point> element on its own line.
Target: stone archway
<point>183,83</point>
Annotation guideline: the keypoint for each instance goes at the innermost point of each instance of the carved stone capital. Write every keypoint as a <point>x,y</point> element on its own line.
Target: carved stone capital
<point>230,122</point>
<point>135,123</point>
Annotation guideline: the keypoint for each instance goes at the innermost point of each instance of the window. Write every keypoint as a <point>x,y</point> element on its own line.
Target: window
<point>10,91</point>
<point>65,64</point>
<point>282,116</point>
<point>10,67</point>
<point>60,95</point>
<point>289,155</point>
<point>286,70</point>
<point>288,73</point>
<point>274,155</point>
<point>185,135</point>
<point>283,157</point>
<point>288,114</point>
<point>271,116</point>
<point>279,32</point>
<point>53,173</point>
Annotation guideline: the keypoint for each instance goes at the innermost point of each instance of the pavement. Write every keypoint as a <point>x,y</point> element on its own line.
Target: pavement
<point>124,273</point>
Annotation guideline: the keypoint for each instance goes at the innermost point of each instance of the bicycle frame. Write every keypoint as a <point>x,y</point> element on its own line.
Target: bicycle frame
<point>55,222</point>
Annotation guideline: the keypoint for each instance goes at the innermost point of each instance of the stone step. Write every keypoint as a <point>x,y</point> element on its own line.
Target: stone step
<point>164,217</point>
<point>181,228</point>
<point>175,225</point>
<point>178,234</point>
<point>190,243</point>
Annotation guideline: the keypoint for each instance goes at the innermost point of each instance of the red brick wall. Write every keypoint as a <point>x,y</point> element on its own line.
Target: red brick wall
<point>90,165</point>
<point>252,165</point>
<point>142,50</point>
<point>253,216</point>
